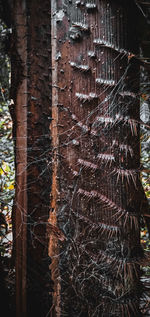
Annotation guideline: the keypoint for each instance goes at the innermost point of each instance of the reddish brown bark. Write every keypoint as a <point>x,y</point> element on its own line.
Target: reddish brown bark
<point>88,222</point>
<point>20,96</point>
<point>96,160</point>
<point>39,156</point>
<point>31,91</point>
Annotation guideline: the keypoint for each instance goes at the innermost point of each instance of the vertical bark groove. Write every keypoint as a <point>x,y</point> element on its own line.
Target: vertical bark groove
<point>31,83</point>
<point>39,157</point>
<point>98,159</point>
<point>53,246</point>
<point>19,93</point>
<point>88,223</point>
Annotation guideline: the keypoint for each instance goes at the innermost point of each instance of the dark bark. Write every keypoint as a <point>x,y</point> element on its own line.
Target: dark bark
<point>19,83</point>
<point>31,91</point>
<point>97,159</point>
<point>6,12</point>
<point>4,293</point>
<point>94,225</point>
<point>144,86</point>
<point>39,156</point>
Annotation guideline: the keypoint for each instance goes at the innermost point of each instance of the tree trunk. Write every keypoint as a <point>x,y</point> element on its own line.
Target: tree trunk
<point>96,164</point>
<point>19,94</point>
<point>31,91</point>
<point>95,199</point>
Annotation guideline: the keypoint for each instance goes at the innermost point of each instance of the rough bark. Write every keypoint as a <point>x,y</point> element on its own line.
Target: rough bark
<point>97,192</point>
<point>94,224</point>
<point>39,156</point>
<point>31,91</point>
<point>19,79</point>
<point>144,85</point>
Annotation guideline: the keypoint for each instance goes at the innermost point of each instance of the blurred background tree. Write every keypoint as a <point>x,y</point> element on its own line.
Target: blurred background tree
<point>7,176</point>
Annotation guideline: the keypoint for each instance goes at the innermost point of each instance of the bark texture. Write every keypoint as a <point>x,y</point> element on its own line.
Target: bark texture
<point>19,94</point>
<point>92,230</point>
<point>31,91</point>
<point>96,159</point>
<point>39,156</point>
